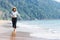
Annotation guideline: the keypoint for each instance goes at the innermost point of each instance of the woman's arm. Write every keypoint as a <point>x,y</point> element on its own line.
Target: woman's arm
<point>12,15</point>
<point>18,15</point>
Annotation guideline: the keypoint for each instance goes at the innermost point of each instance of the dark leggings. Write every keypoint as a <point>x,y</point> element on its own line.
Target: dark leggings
<point>14,21</point>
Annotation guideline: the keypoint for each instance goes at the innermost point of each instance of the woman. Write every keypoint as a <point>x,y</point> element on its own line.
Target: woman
<point>14,18</point>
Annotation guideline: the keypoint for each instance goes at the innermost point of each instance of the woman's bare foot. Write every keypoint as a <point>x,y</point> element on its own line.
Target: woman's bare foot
<point>14,29</point>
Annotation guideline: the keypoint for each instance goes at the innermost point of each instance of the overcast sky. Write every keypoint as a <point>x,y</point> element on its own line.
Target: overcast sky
<point>57,0</point>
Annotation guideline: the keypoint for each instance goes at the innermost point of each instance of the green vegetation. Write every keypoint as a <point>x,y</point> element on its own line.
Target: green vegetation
<point>31,9</point>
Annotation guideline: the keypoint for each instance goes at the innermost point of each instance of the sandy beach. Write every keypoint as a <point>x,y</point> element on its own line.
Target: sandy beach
<point>7,34</point>
<point>3,21</point>
<point>24,32</point>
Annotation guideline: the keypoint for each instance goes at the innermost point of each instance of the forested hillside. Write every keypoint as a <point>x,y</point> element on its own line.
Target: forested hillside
<point>30,9</point>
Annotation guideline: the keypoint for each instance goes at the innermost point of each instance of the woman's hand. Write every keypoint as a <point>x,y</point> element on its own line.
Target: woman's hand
<point>12,16</point>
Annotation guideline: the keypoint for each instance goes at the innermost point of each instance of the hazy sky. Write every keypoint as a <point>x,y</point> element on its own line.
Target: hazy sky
<point>57,0</point>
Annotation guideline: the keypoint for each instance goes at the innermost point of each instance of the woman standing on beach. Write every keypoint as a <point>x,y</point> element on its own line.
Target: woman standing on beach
<point>14,17</point>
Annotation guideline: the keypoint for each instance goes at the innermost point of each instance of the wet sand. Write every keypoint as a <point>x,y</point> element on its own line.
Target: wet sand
<point>18,36</point>
<point>7,34</point>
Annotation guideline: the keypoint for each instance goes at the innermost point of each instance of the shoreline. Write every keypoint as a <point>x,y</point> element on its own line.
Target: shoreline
<point>36,32</point>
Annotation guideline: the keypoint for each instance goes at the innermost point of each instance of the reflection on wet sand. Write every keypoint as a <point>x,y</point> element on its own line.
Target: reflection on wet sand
<point>13,35</point>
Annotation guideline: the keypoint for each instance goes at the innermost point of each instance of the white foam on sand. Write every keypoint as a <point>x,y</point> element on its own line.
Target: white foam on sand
<point>39,32</point>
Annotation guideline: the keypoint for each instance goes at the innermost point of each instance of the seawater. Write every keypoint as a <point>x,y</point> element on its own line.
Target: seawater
<point>41,28</point>
<point>46,23</point>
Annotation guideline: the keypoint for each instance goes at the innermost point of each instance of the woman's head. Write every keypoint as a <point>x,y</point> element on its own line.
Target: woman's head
<point>14,9</point>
